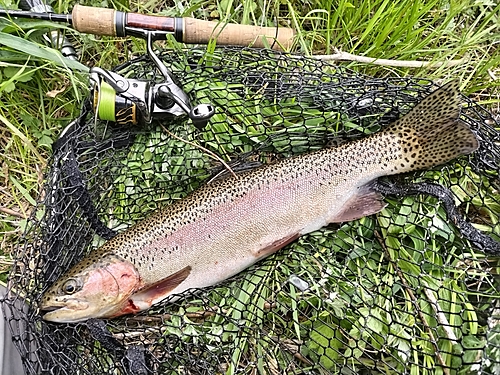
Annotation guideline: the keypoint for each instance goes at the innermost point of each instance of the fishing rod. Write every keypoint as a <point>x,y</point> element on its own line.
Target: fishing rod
<point>110,22</point>
<point>127,101</point>
<point>54,37</point>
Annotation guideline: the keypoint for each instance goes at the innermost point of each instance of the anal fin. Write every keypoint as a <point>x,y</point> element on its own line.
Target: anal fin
<point>365,202</point>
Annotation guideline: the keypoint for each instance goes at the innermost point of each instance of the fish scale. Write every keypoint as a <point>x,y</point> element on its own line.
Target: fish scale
<point>229,224</point>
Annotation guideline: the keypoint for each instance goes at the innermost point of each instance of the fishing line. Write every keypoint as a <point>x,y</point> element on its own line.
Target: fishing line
<point>210,153</point>
<point>105,99</point>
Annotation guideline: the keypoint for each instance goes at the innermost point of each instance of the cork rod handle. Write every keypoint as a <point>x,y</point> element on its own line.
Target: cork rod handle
<point>199,31</point>
<point>103,21</point>
<point>91,20</point>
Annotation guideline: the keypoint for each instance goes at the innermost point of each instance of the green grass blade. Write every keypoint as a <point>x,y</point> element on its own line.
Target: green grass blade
<point>33,49</point>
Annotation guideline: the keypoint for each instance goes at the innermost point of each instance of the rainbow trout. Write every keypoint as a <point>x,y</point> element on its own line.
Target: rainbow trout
<point>227,225</point>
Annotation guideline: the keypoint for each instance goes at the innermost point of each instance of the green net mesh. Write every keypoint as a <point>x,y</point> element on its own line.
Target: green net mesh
<point>400,292</point>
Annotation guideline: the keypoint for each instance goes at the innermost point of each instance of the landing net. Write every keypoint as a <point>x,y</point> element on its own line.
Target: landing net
<point>400,292</point>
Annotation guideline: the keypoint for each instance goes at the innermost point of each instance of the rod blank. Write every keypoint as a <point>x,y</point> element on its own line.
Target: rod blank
<point>64,18</point>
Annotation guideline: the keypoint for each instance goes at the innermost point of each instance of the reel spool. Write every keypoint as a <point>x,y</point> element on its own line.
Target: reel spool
<point>118,100</point>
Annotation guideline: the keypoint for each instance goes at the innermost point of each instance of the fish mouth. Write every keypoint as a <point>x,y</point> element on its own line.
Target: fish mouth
<point>72,312</point>
<point>70,305</point>
<point>60,315</point>
<point>50,308</point>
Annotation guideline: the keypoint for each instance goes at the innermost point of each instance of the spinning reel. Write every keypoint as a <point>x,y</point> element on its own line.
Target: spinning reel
<point>136,102</point>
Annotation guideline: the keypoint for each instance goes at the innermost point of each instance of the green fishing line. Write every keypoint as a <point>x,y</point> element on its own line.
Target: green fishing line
<point>106,107</point>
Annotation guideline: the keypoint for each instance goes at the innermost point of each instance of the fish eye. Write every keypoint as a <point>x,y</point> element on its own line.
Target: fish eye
<point>70,286</point>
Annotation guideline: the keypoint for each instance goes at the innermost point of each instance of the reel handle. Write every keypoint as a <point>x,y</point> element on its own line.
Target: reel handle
<point>104,21</point>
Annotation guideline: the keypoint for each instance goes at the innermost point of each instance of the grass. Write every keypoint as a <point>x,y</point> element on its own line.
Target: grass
<point>39,97</point>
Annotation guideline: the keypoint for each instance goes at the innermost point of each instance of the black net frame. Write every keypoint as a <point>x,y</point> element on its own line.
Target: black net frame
<point>400,292</point>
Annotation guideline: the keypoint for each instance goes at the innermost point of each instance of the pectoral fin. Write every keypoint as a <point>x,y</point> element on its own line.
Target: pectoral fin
<point>151,294</point>
<point>365,202</point>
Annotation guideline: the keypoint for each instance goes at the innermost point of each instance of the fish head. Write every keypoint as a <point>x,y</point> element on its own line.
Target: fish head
<point>94,288</point>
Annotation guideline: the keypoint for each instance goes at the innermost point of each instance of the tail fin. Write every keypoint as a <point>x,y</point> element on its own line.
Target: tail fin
<point>432,133</point>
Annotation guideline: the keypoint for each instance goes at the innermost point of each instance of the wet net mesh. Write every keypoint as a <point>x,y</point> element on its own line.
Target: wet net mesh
<point>400,292</point>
